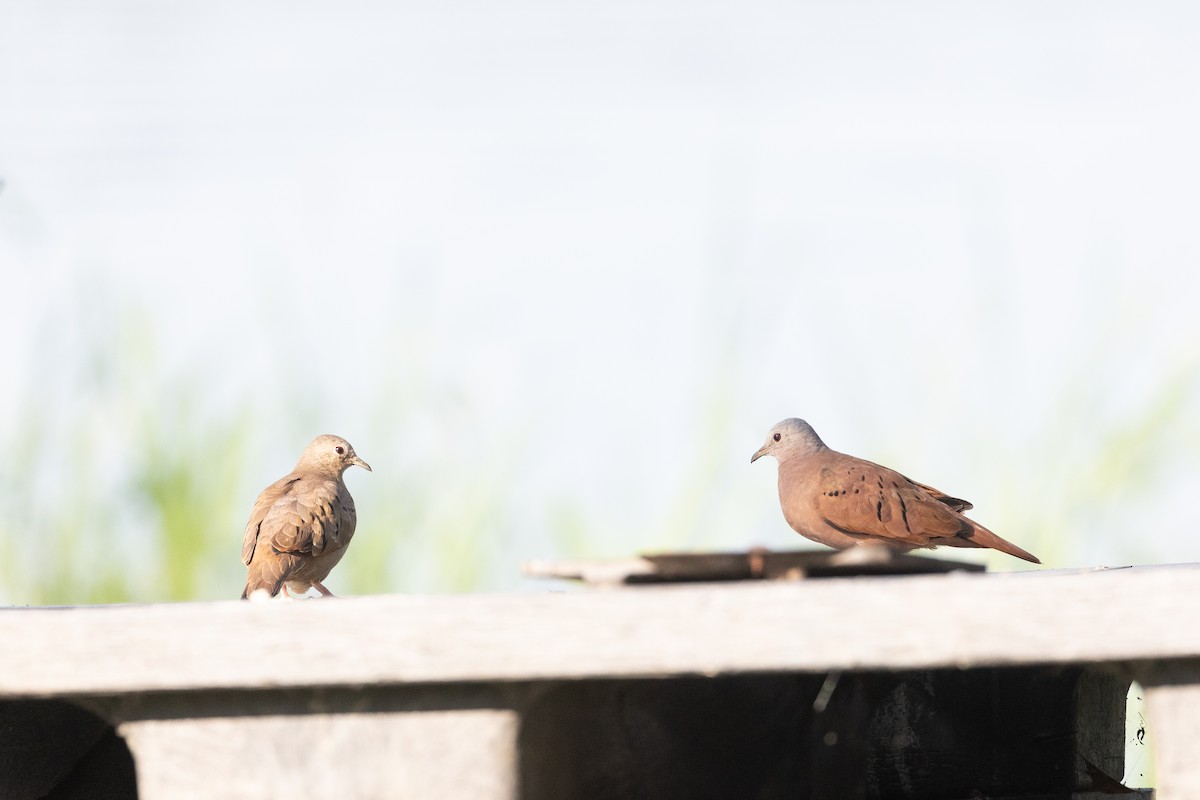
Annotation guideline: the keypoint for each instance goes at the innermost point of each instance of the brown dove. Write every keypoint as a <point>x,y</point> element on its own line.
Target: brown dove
<point>842,501</point>
<point>302,523</point>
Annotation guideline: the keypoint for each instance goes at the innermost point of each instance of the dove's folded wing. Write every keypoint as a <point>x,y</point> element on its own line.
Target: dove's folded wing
<point>265,502</point>
<point>306,519</point>
<point>865,499</point>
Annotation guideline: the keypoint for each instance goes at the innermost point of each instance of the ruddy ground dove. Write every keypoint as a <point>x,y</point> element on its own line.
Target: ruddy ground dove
<point>302,523</point>
<point>842,501</point>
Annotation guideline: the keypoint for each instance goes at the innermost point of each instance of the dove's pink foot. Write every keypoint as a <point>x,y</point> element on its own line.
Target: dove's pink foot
<point>324,592</point>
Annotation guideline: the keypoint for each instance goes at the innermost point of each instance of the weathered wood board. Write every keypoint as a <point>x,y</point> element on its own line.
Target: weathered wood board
<point>954,620</point>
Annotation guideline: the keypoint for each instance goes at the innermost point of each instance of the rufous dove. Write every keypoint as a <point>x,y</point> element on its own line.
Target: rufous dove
<point>302,523</point>
<point>842,501</point>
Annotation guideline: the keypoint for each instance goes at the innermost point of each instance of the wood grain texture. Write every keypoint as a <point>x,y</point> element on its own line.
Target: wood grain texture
<point>442,754</point>
<point>1173,713</point>
<point>756,564</point>
<point>955,620</point>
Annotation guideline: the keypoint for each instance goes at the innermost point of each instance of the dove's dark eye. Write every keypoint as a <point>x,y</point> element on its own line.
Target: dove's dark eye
<point>340,450</point>
<point>775,437</point>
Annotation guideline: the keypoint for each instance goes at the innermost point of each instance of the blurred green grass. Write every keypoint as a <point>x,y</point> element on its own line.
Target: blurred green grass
<point>134,480</point>
<point>137,481</point>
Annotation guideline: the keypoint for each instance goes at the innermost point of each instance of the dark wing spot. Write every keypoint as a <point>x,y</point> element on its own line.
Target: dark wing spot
<point>904,512</point>
<point>879,510</point>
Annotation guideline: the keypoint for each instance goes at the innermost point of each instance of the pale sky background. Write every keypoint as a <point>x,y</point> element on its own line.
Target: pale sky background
<point>555,269</point>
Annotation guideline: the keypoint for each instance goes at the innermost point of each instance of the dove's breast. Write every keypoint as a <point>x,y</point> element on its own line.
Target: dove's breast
<point>799,481</point>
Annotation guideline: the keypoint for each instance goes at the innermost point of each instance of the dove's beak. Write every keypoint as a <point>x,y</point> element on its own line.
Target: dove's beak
<point>361,463</point>
<point>762,451</point>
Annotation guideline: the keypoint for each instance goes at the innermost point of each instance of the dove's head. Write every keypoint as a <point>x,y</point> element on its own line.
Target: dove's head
<point>330,454</point>
<point>792,437</point>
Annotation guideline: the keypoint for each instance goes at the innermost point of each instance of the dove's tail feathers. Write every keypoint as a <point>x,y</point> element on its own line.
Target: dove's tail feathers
<point>253,586</point>
<point>955,503</point>
<point>979,536</point>
<point>261,576</point>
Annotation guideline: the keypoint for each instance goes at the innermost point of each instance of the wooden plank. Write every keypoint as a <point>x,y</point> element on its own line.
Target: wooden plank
<point>443,754</point>
<point>1003,732</point>
<point>1173,714</point>
<point>1099,729</point>
<point>954,620</point>
<point>759,564</point>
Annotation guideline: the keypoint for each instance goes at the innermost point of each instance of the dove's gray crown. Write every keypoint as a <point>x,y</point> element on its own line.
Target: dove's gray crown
<point>791,437</point>
<point>330,455</point>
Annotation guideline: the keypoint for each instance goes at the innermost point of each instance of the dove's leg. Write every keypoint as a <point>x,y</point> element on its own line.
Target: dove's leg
<point>324,592</point>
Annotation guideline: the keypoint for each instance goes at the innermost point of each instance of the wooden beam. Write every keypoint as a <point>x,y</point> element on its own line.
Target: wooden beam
<point>444,754</point>
<point>759,564</point>
<point>888,623</point>
<point>1173,715</point>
